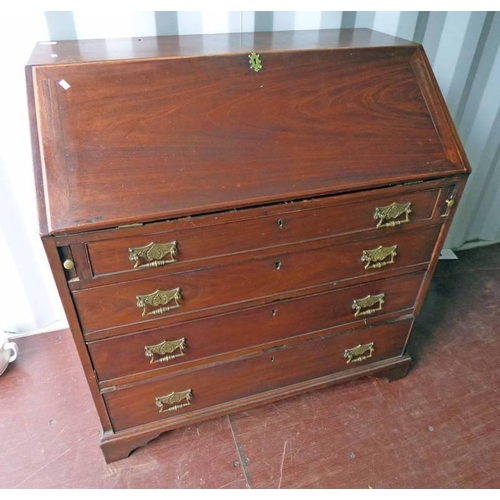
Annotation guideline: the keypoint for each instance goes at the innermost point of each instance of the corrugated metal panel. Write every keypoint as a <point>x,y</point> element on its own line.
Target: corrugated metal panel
<point>463,48</point>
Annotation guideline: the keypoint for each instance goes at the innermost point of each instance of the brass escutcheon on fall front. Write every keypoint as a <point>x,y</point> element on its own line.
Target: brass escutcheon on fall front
<point>153,254</point>
<point>359,353</point>
<point>164,351</point>
<point>379,257</point>
<point>386,215</point>
<point>365,306</point>
<point>255,62</point>
<point>174,401</point>
<point>161,300</point>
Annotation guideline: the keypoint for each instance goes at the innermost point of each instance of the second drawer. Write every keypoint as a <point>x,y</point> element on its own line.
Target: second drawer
<point>177,344</point>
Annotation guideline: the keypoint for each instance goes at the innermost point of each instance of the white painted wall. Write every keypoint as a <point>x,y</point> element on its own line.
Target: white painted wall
<point>28,298</point>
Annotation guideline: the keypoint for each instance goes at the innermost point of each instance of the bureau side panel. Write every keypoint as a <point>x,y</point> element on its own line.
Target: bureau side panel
<point>446,207</point>
<point>74,324</point>
<point>35,152</point>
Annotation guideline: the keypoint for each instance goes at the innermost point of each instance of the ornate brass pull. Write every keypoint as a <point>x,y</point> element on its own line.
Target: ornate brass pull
<point>376,258</point>
<point>386,215</point>
<point>365,306</point>
<point>359,353</point>
<point>153,254</point>
<point>164,350</point>
<point>255,62</point>
<point>160,299</point>
<point>174,400</point>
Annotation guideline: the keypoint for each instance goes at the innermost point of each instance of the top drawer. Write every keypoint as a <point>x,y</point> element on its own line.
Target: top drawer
<point>184,241</point>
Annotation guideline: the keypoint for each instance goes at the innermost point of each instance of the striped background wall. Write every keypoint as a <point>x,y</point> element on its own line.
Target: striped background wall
<point>463,48</point>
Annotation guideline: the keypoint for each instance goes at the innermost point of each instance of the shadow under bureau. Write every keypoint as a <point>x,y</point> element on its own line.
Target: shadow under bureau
<point>232,219</point>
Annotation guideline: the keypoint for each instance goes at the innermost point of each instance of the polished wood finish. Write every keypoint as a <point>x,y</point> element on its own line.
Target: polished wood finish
<point>234,380</point>
<point>216,116</point>
<point>84,51</point>
<point>269,189</point>
<point>233,285</point>
<point>257,228</point>
<point>263,326</point>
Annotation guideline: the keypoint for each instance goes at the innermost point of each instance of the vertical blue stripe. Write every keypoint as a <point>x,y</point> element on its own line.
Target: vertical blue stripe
<point>348,19</point>
<point>264,21</point>
<point>61,25</point>
<point>166,23</point>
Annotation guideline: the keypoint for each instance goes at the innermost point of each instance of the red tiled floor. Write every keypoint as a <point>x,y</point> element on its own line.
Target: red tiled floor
<point>50,433</point>
<point>436,428</point>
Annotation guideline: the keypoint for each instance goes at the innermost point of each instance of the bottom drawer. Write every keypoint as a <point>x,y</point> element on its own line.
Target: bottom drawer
<point>165,397</point>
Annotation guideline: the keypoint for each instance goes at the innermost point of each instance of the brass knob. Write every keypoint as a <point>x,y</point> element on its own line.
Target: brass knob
<point>68,264</point>
<point>450,202</point>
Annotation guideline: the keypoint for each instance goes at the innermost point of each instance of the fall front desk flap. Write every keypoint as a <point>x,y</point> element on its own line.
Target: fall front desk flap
<point>178,133</point>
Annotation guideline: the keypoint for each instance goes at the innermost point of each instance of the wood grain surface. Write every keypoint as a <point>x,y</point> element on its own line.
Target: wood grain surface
<point>311,122</point>
<point>297,222</point>
<point>292,273</point>
<point>255,329</point>
<point>79,51</point>
<point>235,380</point>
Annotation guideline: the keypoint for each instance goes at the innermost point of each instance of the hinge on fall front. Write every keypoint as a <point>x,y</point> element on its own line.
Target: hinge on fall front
<point>108,389</point>
<point>126,226</point>
<point>409,183</point>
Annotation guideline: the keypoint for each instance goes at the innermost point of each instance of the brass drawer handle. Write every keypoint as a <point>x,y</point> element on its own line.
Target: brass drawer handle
<point>164,350</point>
<point>359,353</point>
<point>174,400</point>
<point>153,254</point>
<point>160,299</point>
<point>376,258</point>
<point>386,215</point>
<point>368,305</point>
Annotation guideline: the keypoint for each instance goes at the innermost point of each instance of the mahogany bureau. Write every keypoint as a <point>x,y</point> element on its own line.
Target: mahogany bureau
<point>232,219</point>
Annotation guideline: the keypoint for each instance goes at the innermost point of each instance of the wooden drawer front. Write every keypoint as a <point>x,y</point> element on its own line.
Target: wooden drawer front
<point>288,224</point>
<point>237,379</point>
<point>114,305</point>
<point>185,342</point>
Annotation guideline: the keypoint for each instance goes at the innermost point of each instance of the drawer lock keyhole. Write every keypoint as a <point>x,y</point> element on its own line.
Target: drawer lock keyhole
<point>277,265</point>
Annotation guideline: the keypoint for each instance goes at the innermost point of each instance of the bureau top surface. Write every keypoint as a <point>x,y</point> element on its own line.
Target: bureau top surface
<point>81,51</point>
<point>139,130</point>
